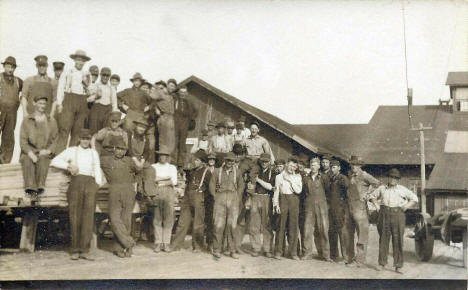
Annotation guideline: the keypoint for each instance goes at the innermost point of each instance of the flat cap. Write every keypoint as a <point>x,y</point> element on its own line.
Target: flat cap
<point>106,71</point>
<point>115,116</point>
<point>58,65</point>
<point>115,77</point>
<point>265,157</point>
<point>172,81</point>
<point>94,70</point>
<point>85,134</point>
<point>41,59</point>
<point>335,162</point>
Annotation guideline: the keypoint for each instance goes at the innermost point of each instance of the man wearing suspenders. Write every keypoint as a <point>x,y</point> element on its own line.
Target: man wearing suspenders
<point>194,200</point>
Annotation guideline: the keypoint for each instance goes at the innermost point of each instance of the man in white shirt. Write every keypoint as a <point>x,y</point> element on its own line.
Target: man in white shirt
<point>86,177</point>
<point>288,186</point>
<point>104,99</point>
<point>72,106</point>
<point>202,143</point>
<point>257,144</point>
<point>218,142</point>
<point>162,204</point>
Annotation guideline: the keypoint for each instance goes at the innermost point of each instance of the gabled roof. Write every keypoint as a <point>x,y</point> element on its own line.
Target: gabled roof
<point>457,78</point>
<point>276,123</point>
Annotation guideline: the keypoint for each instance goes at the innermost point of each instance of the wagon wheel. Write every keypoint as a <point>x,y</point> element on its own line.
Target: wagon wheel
<point>423,240</point>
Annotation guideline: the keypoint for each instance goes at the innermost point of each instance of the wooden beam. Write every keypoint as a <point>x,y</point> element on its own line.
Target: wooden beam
<point>28,231</point>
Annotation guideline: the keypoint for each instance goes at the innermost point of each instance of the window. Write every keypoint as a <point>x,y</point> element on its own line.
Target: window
<point>464,106</point>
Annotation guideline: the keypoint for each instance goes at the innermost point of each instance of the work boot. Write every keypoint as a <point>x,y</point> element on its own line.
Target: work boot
<point>157,248</point>
<point>398,270</point>
<point>268,255</point>
<point>75,256</point>
<point>217,255</point>
<point>306,257</point>
<point>234,255</point>
<point>295,258</point>
<point>167,248</point>
<point>380,268</point>
<point>86,256</point>
<point>119,254</point>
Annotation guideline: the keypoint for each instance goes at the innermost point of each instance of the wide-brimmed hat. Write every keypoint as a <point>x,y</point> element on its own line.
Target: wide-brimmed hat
<point>201,154</point>
<point>136,76</point>
<point>211,156</point>
<point>356,160</point>
<point>220,125</point>
<point>80,54</point>
<point>163,150</point>
<point>10,60</point>
<point>230,156</point>
<point>265,157</point>
<point>394,173</point>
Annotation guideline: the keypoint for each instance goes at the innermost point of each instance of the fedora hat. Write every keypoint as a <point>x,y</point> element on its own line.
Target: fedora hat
<point>394,173</point>
<point>163,150</point>
<point>230,156</point>
<point>10,60</point>
<point>265,157</point>
<point>356,160</point>
<point>80,54</point>
<point>137,76</point>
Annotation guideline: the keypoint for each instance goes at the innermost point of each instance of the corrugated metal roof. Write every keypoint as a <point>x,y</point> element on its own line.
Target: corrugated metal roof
<point>274,122</point>
<point>457,78</point>
<point>449,173</point>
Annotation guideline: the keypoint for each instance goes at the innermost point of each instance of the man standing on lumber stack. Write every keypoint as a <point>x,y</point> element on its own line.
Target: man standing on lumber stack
<point>184,117</point>
<point>38,138</point>
<point>103,136</point>
<point>120,173</point>
<point>86,177</point>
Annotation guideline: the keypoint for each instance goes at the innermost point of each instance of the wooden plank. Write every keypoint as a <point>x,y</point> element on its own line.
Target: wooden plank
<point>28,231</point>
<point>465,248</point>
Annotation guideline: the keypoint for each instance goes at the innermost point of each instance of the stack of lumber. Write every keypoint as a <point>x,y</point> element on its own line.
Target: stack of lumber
<point>12,187</point>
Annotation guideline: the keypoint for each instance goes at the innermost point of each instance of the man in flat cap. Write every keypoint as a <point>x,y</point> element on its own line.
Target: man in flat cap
<point>10,89</point>
<point>104,100</point>
<point>47,85</point>
<point>164,109</point>
<point>218,142</point>
<point>58,69</point>
<point>72,106</point>
<point>38,138</point>
<point>325,164</point>
<point>172,87</point>
<point>202,143</point>
<point>120,172</point>
<point>185,115</point>
<point>257,144</point>
<point>86,177</point>
<point>210,127</point>
<point>104,136</point>
<point>115,81</point>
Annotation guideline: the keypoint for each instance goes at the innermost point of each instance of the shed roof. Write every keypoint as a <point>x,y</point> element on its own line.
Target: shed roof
<point>450,173</point>
<point>457,78</point>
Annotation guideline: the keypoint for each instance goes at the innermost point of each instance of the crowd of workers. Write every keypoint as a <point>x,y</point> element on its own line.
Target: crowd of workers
<point>74,122</point>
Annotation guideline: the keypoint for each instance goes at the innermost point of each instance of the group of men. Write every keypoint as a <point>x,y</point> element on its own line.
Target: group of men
<point>74,122</point>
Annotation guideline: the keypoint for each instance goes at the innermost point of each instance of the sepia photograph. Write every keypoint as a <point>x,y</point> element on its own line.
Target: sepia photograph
<point>234,140</point>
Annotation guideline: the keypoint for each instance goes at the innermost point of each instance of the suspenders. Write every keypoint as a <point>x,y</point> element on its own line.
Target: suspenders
<point>219,177</point>
<point>202,179</point>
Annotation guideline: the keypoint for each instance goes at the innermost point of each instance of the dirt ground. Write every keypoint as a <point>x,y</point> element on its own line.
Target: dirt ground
<point>54,263</point>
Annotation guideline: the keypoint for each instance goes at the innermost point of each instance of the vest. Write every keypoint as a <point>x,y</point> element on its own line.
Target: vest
<point>9,93</point>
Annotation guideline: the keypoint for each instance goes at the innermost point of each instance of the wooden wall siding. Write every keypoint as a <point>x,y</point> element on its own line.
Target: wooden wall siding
<point>210,105</point>
<point>449,201</point>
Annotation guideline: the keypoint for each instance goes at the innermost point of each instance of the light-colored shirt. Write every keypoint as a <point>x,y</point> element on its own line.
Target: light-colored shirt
<point>166,170</point>
<point>282,186</point>
<point>245,133</point>
<point>108,95</point>
<point>200,144</point>
<point>219,144</point>
<point>258,145</point>
<point>71,81</point>
<point>393,196</point>
<point>87,161</point>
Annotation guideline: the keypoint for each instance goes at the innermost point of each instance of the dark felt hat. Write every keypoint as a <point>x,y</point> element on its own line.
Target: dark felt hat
<point>327,156</point>
<point>204,132</point>
<point>201,154</point>
<point>141,121</point>
<point>220,124</point>
<point>10,60</point>
<point>230,156</point>
<point>58,65</point>
<point>136,76</point>
<point>211,156</point>
<point>355,160</point>
<point>395,173</point>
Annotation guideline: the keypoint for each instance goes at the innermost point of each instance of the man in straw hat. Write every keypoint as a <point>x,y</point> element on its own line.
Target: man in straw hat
<point>120,171</point>
<point>38,136</point>
<point>361,184</point>
<point>72,106</point>
<point>10,88</point>
<point>83,163</point>
<point>392,201</point>
<point>40,81</point>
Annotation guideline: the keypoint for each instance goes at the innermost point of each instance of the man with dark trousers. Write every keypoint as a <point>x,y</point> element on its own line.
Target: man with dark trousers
<point>84,165</point>
<point>226,185</point>
<point>184,114</point>
<point>392,200</point>
<point>10,88</point>
<point>38,138</point>
<point>72,106</point>
<point>120,171</point>
<point>315,189</point>
<point>193,204</point>
<point>338,212</point>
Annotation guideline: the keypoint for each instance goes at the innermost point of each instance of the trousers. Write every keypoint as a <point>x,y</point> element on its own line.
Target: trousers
<point>337,233</point>
<point>98,117</point>
<point>192,210</point>
<point>7,129</point>
<point>316,226</point>
<point>163,214</point>
<point>121,203</point>
<point>357,222</point>
<point>166,131</point>
<point>260,223</point>
<point>181,131</point>
<point>71,120</point>
<point>289,207</point>
<point>81,197</point>
<point>225,214</point>
<point>391,223</point>
<point>34,174</point>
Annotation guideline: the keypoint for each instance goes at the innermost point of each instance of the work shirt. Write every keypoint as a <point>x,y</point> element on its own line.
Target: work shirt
<point>108,95</point>
<point>10,88</point>
<point>71,81</point>
<point>29,82</point>
<point>315,188</point>
<point>200,144</point>
<point>226,181</point>
<point>86,159</point>
<point>184,108</point>
<point>230,140</point>
<point>267,176</point>
<point>194,179</point>
<point>119,170</point>
<point>339,185</point>
<point>282,186</point>
<point>360,184</point>
<point>105,135</point>
<point>219,144</point>
<point>393,196</point>
<point>35,135</point>
<point>165,171</point>
<point>258,145</point>
<point>134,98</point>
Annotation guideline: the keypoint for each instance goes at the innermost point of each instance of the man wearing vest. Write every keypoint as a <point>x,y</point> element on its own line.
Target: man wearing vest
<point>83,164</point>
<point>106,134</point>
<point>227,186</point>
<point>260,209</point>
<point>316,187</point>
<point>38,136</point>
<point>104,99</point>
<point>193,204</point>
<point>120,174</point>
<point>72,106</point>
<point>10,88</point>
<point>41,82</point>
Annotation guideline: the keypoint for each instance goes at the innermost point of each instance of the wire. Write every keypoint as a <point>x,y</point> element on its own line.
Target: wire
<point>404,41</point>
